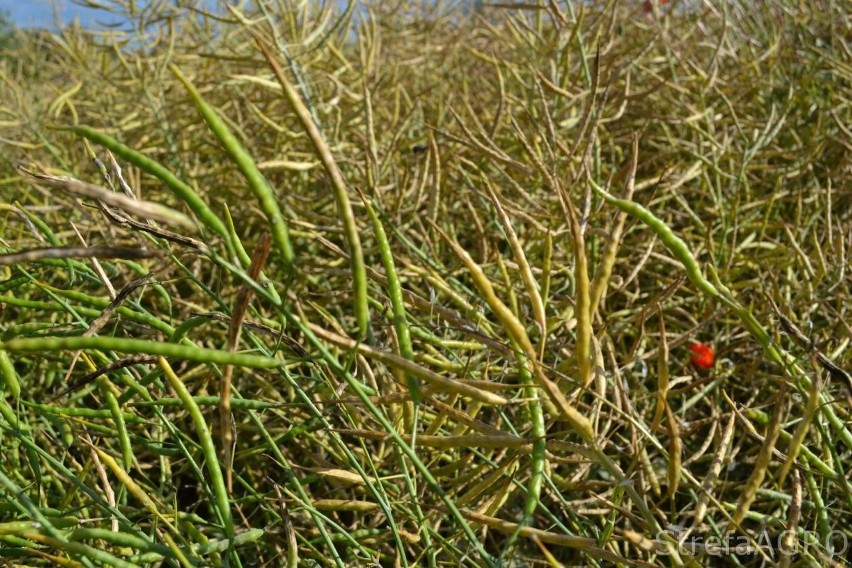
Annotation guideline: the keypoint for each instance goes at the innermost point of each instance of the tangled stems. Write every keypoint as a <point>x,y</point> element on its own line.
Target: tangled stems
<point>680,250</point>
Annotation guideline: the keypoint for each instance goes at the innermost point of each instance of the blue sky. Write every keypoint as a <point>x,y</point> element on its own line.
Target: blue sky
<point>42,14</point>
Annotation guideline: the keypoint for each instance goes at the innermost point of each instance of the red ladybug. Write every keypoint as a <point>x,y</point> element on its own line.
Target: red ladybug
<point>702,356</point>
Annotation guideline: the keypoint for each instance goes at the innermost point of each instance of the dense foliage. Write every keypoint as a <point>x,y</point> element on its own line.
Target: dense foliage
<point>422,283</point>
